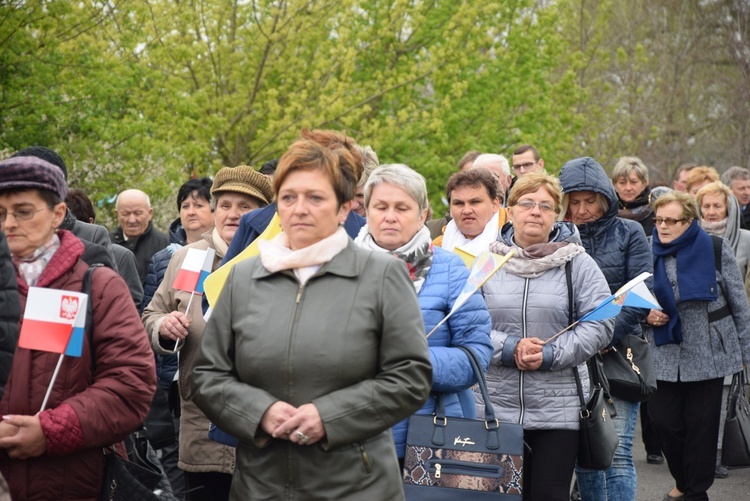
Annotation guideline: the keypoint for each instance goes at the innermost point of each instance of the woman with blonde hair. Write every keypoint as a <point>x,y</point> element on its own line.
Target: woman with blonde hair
<point>532,382</point>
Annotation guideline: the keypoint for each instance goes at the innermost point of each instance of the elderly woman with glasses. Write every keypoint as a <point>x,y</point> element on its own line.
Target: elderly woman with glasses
<point>531,381</point>
<point>98,398</point>
<point>701,336</point>
<point>396,202</point>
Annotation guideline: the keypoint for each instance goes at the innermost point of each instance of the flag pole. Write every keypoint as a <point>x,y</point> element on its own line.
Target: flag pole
<point>562,332</point>
<point>505,259</point>
<point>52,382</point>
<point>190,301</point>
<point>439,324</point>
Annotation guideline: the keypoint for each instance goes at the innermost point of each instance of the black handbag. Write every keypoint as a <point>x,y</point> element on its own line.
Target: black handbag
<point>735,446</point>
<point>629,368</point>
<point>597,438</point>
<point>139,477</point>
<point>457,458</point>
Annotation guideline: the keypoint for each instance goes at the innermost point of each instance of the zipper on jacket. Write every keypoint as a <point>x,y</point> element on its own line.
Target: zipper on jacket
<point>523,335</point>
<point>289,375</point>
<point>365,458</point>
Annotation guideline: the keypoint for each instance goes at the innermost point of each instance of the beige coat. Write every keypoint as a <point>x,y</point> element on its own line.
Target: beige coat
<point>197,452</point>
<point>350,341</point>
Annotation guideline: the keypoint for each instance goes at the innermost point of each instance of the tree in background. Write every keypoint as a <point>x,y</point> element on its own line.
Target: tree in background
<point>149,92</point>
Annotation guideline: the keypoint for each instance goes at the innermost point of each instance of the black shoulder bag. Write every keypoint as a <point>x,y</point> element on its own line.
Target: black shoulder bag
<point>597,438</point>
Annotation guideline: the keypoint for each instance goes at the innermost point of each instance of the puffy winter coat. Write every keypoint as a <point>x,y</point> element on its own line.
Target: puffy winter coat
<point>619,246</point>
<point>10,310</point>
<point>469,326</point>
<point>546,398</point>
<point>86,410</point>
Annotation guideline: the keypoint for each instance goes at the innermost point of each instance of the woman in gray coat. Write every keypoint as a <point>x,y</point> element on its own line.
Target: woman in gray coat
<point>701,336</point>
<point>316,347</point>
<point>530,382</point>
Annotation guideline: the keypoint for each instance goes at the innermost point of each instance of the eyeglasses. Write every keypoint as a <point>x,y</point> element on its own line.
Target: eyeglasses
<point>528,205</point>
<point>22,214</point>
<point>526,166</point>
<point>669,220</point>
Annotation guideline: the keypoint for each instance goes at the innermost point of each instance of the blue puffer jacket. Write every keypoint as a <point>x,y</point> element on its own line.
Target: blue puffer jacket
<point>469,326</point>
<point>166,365</point>
<point>619,246</point>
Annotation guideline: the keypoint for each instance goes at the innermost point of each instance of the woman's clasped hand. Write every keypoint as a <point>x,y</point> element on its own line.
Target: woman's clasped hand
<point>528,354</point>
<point>301,425</point>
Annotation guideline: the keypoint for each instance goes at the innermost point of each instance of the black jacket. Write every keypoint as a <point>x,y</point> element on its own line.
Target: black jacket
<point>144,247</point>
<point>10,311</point>
<point>618,245</point>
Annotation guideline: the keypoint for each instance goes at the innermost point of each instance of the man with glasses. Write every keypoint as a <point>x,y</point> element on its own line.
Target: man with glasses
<point>136,231</point>
<point>526,159</point>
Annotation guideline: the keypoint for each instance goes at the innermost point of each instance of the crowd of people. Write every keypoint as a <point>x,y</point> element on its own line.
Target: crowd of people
<point>298,381</point>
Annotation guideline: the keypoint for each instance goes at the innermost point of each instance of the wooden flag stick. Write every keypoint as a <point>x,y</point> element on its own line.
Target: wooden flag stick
<point>561,332</point>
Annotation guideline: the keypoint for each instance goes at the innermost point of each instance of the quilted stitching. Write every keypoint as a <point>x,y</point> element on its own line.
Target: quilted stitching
<point>62,430</point>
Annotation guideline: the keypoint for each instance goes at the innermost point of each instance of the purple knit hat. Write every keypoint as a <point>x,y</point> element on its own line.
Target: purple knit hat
<point>32,172</point>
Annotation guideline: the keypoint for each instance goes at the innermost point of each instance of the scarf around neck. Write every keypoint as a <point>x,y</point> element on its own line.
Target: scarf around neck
<point>416,253</point>
<point>718,228</point>
<point>637,209</point>
<point>454,238</point>
<point>276,254</point>
<point>31,267</point>
<point>535,259</point>
<point>696,277</point>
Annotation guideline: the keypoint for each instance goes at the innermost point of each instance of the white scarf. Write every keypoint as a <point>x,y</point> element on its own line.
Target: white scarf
<point>276,254</point>
<point>454,238</point>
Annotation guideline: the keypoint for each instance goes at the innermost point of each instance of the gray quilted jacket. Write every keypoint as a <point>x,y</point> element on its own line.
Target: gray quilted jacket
<point>538,307</point>
<point>709,350</point>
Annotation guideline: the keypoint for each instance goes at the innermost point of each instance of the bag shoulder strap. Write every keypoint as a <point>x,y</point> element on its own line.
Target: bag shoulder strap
<point>86,289</point>
<point>569,281</point>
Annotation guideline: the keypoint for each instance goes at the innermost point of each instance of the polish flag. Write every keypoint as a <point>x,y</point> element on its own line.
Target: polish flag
<point>49,319</point>
<point>208,264</point>
<point>190,271</point>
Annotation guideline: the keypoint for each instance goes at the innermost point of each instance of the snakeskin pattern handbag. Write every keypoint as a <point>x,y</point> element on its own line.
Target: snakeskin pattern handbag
<point>456,458</point>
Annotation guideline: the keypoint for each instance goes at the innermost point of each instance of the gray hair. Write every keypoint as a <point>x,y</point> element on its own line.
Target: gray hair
<point>491,159</point>
<point>733,173</point>
<point>132,192</point>
<point>369,161</point>
<point>626,165</point>
<point>402,176</point>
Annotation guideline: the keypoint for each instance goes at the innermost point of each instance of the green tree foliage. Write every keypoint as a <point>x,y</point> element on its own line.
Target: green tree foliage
<point>146,92</point>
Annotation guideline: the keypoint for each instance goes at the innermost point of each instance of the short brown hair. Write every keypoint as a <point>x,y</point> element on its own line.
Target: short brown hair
<point>329,151</point>
<point>700,175</point>
<point>527,147</point>
<point>475,178</point>
<point>530,183</point>
<point>689,209</point>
